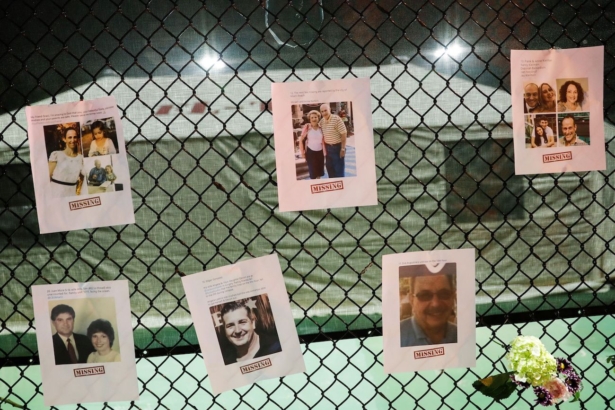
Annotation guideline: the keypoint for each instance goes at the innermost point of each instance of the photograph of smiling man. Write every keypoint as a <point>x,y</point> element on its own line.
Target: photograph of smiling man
<point>68,347</point>
<point>245,329</point>
<point>432,298</point>
<point>428,310</point>
<point>244,310</point>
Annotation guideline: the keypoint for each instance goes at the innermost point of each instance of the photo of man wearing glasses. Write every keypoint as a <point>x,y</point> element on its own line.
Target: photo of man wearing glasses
<point>431,294</point>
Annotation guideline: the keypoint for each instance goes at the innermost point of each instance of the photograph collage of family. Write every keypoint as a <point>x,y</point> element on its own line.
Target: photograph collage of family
<point>83,158</point>
<point>556,114</point>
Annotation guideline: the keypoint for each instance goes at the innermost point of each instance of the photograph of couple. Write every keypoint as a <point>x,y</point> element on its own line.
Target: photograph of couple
<point>323,140</point>
<point>571,96</point>
<point>96,346</point>
<point>79,154</point>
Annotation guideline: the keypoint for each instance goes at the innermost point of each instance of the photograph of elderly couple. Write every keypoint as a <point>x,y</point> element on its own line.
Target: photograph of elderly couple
<point>428,304</point>
<point>323,140</point>
<point>245,329</point>
<point>556,119</point>
<point>78,337</point>
<point>81,158</point>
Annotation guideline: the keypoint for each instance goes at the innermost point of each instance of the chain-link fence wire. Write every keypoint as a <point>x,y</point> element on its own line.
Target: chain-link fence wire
<point>192,81</point>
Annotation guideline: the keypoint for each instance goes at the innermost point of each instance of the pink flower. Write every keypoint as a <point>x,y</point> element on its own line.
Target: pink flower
<point>558,389</point>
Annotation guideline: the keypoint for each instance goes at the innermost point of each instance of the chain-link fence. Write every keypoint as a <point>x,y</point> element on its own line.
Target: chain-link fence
<point>192,81</point>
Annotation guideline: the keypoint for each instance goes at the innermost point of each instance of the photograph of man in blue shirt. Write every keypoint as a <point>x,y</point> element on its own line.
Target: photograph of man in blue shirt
<point>432,297</point>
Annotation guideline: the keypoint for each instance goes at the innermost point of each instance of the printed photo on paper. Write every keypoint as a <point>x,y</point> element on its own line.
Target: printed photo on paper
<point>79,165</point>
<point>427,305</point>
<point>554,96</point>
<point>430,325</point>
<point>244,323</point>
<point>245,329</point>
<point>322,130</point>
<point>92,341</point>
<point>84,335</point>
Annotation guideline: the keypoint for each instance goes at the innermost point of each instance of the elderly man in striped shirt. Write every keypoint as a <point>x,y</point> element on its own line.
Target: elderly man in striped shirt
<point>334,131</point>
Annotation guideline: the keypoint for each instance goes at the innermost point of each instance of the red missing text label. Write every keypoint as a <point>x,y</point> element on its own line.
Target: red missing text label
<point>329,186</point>
<point>560,156</point>
<point>424,354</point>
<point>255,366</point>
<point>84,203</point>
<point>89,371</point>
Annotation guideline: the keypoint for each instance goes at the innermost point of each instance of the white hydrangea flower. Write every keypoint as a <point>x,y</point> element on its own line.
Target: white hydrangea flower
<point>531,361</point>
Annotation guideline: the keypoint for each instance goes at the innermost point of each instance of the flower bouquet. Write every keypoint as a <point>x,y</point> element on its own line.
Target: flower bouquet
<point>552,380</point>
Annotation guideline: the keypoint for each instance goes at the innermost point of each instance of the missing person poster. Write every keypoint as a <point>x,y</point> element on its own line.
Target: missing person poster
<point>428,310</point>
<point>85,343</point>
<point>244,323</point>
<point>557,110</point>
<point>324,144</point>
<point>79,165</point>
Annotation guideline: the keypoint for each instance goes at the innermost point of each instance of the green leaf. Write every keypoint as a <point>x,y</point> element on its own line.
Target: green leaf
<point>498,387</point>
<point>576,397</point>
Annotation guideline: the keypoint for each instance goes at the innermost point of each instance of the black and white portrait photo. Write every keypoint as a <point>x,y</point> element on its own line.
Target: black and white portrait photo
<point>246,329</point>
<point>244,323</point>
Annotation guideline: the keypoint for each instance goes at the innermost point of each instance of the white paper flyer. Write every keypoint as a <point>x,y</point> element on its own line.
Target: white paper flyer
<point>558,123</point>
<point>79,165</point>
<point>324,144</point>
<point>244,323</point>
<point>428,310</point>
<point>85,343</point>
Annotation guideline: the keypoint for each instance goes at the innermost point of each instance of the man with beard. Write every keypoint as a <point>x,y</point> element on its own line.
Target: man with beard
<point>432,298</point>
<point>239,324</point>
